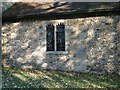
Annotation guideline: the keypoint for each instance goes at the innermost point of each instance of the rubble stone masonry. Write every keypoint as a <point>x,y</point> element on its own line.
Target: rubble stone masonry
<point>92,45</point>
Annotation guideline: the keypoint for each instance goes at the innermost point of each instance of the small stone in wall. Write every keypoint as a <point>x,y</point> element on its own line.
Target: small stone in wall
<point>44,65</point>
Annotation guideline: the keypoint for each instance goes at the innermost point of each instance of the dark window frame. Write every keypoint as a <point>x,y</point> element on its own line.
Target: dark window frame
<point>59,30</point>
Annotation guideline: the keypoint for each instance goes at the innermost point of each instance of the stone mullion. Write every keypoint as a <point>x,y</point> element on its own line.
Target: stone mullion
<point>55,46</point>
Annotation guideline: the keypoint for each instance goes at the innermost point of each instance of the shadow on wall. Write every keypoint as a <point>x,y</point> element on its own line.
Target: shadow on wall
<point>95,47</point>
<point>20,41</point>
<point>92,46</point>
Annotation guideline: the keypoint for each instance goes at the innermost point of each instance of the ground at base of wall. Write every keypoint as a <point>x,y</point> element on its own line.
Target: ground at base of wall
<point>16,78</point>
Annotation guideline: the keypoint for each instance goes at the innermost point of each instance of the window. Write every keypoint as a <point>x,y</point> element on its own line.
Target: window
<point>60,38</point>
<point>50,38</point>
<point>55,37</point>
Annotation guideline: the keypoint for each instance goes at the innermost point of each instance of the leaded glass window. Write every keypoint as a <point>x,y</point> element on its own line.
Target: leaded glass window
<point>56,37</point>
<point>50,38</point>
<point>60,37</point>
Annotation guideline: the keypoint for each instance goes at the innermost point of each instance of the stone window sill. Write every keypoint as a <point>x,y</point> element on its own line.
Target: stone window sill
<point>56,52</point>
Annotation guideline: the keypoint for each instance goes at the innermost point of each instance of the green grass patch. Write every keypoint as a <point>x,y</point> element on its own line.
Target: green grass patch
<point>16,78</point>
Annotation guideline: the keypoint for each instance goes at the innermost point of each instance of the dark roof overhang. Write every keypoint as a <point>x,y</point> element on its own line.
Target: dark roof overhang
<point>81,10</point>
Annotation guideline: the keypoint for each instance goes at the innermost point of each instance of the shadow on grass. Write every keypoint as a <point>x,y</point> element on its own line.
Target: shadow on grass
<point>86,80</point>
<point>12,81</point>
<point>15,78</point>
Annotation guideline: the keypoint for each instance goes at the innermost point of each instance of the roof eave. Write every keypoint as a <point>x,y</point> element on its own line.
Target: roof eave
<point>67,15</point>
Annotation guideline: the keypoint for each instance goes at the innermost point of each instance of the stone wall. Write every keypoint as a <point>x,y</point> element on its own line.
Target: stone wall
<point>92,45</point>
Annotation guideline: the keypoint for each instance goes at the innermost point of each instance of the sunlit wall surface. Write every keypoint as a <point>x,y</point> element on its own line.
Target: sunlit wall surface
<point>92,45</point>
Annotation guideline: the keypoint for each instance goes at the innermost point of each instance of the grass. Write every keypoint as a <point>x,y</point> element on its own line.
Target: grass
<point>16,78</point>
